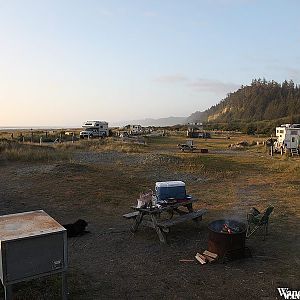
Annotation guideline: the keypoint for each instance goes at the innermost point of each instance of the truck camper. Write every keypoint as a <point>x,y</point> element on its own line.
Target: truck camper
<point>94,129</point>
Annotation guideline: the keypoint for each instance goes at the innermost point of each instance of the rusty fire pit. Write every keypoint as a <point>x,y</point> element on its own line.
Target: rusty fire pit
<point>227,238</point>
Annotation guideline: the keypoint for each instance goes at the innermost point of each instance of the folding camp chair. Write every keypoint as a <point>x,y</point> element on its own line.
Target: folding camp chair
<point>256,219</point>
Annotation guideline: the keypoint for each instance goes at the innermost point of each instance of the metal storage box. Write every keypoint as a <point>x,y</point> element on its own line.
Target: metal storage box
<point>170,189</point>
<point>32,244</point>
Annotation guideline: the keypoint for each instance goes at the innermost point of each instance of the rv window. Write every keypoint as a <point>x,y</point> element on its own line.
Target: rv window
<point>101,126</point>
<point>294,132</point>
<point>293,139</point>
<point>281,131</point>
<point>97,124</point>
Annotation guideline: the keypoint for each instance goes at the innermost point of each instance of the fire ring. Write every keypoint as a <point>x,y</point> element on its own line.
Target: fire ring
<point>227,238</point>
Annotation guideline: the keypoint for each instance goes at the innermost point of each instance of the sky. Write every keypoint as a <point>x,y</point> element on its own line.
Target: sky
<point>63,62</point>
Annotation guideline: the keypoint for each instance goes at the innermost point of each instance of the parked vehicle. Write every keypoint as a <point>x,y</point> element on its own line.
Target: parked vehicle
<point>188,146</point>
<point>133,129</point>
<point>198,134</point>
<point>288,138</point>
<point>195,130</point>
<point>94,129</point>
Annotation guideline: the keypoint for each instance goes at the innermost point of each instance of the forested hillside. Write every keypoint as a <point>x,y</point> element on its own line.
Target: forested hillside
<point>261,105</point>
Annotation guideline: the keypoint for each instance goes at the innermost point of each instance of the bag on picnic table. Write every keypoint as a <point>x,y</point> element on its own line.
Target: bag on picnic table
<point>145,199</point>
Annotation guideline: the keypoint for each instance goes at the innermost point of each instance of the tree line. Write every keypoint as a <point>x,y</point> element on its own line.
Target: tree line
<point>256,108</point>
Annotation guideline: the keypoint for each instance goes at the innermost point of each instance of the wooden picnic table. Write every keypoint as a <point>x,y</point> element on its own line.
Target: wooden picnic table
<point>155,217</point>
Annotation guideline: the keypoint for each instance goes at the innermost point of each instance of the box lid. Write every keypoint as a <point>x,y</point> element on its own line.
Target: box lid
<point>27,224</point>
<point>169,184</point>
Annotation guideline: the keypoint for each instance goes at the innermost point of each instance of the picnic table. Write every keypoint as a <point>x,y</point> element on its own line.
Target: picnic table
<point>163,217</point>
<point>188,146</point>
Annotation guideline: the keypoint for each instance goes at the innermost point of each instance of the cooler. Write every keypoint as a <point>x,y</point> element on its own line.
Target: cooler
<point>167,190</point>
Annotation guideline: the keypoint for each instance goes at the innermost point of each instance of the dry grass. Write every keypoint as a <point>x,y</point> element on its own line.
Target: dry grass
<point>14,151</point>
<point>126,147</point>
<point>104,145</point>
<point>290,166</point>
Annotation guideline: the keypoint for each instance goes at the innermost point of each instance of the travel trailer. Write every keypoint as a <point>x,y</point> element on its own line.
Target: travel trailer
<point>136,129</point>
<point>195,130</point>
<point>133,129</point>
<point>288,137</point>
<point>93,129</point>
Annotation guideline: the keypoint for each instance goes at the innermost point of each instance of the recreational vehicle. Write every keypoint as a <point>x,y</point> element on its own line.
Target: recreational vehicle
<point>94,129</point>
<point>136,129</point>
<point>288,137</point>
<point>133,129</point>
<point>195,130</point>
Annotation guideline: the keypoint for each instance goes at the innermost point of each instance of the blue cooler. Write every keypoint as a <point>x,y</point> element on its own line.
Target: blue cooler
<point>167,190</point>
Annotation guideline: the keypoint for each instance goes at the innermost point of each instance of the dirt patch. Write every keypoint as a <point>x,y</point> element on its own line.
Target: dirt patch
<point>72,168</point>
<point>28,169</point>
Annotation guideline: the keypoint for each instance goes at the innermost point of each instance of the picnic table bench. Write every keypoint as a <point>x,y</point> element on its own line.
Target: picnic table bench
<point>152,217</point>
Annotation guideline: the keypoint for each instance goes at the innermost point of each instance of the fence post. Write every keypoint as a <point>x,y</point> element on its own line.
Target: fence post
<point>41,139</point>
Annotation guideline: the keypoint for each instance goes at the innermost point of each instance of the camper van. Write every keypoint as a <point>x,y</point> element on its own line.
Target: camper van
<point>94,129</point>
<point>288,137</point>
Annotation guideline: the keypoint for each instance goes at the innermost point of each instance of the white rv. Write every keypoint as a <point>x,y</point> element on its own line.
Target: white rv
<point>94,129</point>
<point>288,137</point>
<point>136,129</point>
<point>133,129</point>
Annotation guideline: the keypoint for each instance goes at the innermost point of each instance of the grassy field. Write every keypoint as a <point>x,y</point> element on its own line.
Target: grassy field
<point>100,180</point>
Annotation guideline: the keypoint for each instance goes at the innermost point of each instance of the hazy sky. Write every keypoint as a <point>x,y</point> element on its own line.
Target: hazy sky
<point>66,61</point>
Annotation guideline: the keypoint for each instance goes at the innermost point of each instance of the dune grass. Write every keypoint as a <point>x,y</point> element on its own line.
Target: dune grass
<point>14,151</point>
<point>30,152</point>
<point>104,145</point>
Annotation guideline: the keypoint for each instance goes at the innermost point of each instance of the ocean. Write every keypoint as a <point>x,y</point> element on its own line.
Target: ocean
<point>36,127</point>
